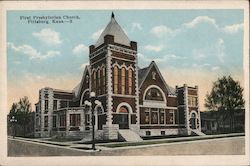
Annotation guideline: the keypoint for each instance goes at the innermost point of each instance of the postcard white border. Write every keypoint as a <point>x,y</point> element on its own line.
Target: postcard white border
<point>119,160</point>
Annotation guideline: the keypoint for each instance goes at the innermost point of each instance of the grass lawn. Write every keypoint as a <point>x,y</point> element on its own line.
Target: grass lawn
<point>63,139</point>
<point>151,142</point>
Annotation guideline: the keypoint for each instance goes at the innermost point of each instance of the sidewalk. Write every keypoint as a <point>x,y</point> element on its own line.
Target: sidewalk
<point>77,145</point>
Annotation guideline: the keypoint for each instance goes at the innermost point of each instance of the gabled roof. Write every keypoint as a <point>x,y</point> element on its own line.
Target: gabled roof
<point>142,74</point>
<point>78,87</point>
<point>113,28</point>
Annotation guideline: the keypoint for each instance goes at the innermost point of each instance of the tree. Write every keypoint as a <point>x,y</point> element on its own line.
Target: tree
<point>24,110</point>
<point>13,109</point>
<point>21,111</point>
<point>226,97</point>
<point>12,113</point>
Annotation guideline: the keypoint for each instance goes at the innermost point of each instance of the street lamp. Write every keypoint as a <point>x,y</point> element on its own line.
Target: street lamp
<point>92,104</point>
<point>13,121</point>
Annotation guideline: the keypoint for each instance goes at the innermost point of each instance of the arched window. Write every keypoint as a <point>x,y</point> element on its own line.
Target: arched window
<point>103,80</point>
<point>130,78</point>
<point>115,79</point>
<point>123,80</point>
<point>154,94</point>
<point>98,81</point>
<point>123,109</point>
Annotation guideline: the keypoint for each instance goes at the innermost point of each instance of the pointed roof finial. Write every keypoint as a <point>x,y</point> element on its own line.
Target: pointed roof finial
<point>112,15</point>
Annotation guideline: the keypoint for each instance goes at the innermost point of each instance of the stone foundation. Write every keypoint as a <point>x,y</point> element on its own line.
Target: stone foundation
<point>135,128</point>
<point>110,132</point>
<point>158,132</point>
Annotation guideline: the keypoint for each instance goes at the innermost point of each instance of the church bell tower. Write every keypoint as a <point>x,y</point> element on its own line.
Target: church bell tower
<point>114,79</point>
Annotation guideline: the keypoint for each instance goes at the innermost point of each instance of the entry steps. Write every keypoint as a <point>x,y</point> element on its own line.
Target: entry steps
<point>198,132</point>
<point>130,136</point>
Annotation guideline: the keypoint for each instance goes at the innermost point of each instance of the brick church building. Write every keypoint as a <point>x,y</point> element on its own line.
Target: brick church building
<point>134,102</point>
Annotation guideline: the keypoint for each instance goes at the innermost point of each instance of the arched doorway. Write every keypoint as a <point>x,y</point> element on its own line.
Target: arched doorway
<point>193,121</point>
<point>123,118</point>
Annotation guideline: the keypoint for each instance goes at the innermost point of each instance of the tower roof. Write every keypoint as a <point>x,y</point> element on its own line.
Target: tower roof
<point>113,28</point>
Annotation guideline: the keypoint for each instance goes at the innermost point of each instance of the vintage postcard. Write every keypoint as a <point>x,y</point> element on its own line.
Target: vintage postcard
<point>125,83</point>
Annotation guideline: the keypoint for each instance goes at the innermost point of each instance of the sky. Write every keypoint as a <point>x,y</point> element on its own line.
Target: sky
<point>193,47</point>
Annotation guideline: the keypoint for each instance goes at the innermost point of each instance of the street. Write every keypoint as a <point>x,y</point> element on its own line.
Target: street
<point>221,146</point>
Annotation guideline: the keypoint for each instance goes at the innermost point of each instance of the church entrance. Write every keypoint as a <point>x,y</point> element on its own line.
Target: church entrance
<point>193,121</point>
<point>123,118</point>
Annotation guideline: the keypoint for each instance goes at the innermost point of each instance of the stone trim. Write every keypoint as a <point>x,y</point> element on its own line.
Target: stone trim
<point>186,108</point>
<point>157,106</point>
<point>122,49</point>
<point>100,107</point>
<point>120,95</point>
<point>124,104</point>
<point>109,88</point>
<point>196,118</point>
<point>173,124</point>
<point>137,95</point>
<point>97,68</point>
<point>157,87</point>
<point>153,104</point>
<point>123,65</point>
<point>124,59</point>
<point>98,61</point>
<point>83,95</point>
<point>97,52</point>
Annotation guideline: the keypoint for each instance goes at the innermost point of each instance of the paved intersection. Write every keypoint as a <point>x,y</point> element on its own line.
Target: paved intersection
<point>220,146</point>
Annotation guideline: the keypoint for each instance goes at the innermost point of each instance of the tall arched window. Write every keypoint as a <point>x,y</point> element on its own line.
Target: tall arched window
<point>94,81</point>
<point>115,79</point>
<point>123,80</point>
<point>103,80</point>
<point>98,81</point>
<point>130,75</point>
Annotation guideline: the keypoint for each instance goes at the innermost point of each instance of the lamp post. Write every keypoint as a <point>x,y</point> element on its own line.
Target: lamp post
<point>92,103</point>
<point>13,121</point>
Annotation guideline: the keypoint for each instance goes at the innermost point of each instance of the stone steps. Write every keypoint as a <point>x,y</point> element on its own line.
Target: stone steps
<point>130,136</point>
<point>198,132</point>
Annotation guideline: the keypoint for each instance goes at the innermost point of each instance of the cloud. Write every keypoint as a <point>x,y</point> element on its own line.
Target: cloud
<point>83,66</point>
<point>35,81</point>
<point>162,30</point>
<point>205,19</point>
<point>31,52</point>
<point>97,34</point>
<point>48,36</point>
<point>143,57</point>
<point>233,28</point>
<point>135,26</point>
<point>200,19</point>
<point>215,68</point>
<point>205,66</point>
<point>160,59</point>
<point>200,66</point>
<point>173,56</point>
<point>220,48</point>
<point>146,59</point>
<point>153,48</point>
<point>198,53</point>
<point>79,49</point>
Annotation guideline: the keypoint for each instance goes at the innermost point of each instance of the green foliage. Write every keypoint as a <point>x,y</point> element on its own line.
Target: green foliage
<point>21,111</point>
<point>226,95</point>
